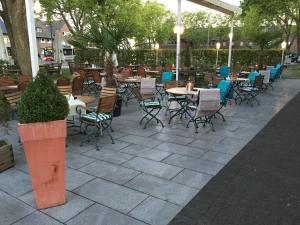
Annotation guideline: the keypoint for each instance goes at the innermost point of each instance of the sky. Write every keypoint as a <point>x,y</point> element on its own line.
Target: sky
<point>189,6</point>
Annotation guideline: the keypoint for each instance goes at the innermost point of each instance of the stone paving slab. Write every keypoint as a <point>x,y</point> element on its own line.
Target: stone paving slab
<point>15,182</point>
<point>12,209</point>
<point>155,211</point>
<point>37,218</point>
<point>108,171</point>
<point>112,195</point>
<point>144,152</point>
<point>101,215</point>
<point>199,165</point>
<point>108,155</point>
<point>163,189</point>
<point>192,179</point>
<point>152,167</point>
<point>74,205</point>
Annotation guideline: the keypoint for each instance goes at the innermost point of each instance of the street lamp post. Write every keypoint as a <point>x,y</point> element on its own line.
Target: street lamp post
<point>283,47</point>
<point>156,48</point>
<point>178,30</point>
<point>218,45</point>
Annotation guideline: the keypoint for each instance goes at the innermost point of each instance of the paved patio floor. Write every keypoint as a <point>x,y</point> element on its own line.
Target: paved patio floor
<point>147,176</point>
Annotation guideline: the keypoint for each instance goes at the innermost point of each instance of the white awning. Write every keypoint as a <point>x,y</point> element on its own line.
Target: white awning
<point>219,6</point>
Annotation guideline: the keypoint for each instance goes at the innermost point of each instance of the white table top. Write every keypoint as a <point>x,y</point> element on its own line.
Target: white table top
<point>73,103</point>
<point>183,91</point>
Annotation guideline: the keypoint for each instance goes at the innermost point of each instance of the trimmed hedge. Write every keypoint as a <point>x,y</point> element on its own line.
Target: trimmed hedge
<point>42,102</point>
<point>168,56</point>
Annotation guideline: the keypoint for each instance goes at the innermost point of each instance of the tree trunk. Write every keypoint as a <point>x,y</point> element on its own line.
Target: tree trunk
<point>109,70</point>
<point>298,36</point>
<point>15,21</point>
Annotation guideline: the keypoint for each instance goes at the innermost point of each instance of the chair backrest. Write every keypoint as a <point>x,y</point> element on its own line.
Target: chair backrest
<point>148,85</point>
<point>274,73</point>
<point>6,81</point>
<point>25,78</point>
<point>166,76</point>
<point>224,71</point>
<point>13,99</point>
<point>159,68</point>
<point>126,72</point>
<point>77,85</point>
<point>107,91</point>
<point>266,74</point>
<point>252,75</point>
<point>209,100</point>
<point>65,90</point>
<point>141,71</point>
<point>168,68</point>
<point>173,84</point>
<point>106,103</point>
<point>62,82</point>
<point>258,82</point>
<point>82,72</point>
<point>224,87</point>
<point>96,76</point>
<point>136,92</point>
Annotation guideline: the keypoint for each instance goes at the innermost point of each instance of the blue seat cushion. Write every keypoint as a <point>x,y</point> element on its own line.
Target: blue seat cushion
<point>93,117</point>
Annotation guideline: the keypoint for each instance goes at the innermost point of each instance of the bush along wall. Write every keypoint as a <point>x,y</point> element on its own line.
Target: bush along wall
<point>168,56</point>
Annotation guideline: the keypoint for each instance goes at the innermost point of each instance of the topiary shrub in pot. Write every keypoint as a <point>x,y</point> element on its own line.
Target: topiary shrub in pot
<point>42,111</point>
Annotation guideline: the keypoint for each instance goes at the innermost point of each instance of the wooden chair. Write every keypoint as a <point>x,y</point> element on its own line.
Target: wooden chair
<point>101,118</point>
<point>141,71</point>
<point>77,85</point>
<point>13,99</point>
<point>65,90</point>
<point>6,81</point>
<point>107,91</point>
<point>62,82</point>
<point>150,107</point>
<point>54,68</point>
<point>96,81</point>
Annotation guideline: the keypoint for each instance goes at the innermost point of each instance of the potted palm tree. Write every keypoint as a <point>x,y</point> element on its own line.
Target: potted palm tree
<point>42,111</point>
<point>6,152</point>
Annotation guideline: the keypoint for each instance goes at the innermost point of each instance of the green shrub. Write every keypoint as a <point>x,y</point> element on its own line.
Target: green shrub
<point>4,110</point>
<point>42,102</point>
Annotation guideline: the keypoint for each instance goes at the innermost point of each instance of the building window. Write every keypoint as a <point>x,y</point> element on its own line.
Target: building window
<point>39,30</point>
<point>43,40</point>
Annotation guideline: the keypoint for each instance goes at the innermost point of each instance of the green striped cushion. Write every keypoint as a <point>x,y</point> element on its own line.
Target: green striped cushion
<point>92,117</point>
<point>173,98</point>
<point>150,104</point>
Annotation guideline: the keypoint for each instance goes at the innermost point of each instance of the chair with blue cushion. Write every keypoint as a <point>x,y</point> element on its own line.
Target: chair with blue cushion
<point>253,75</point>
<point>226,93</point>
<point>250,93</point>
<point>150,106</point>
<point>224,71</point>
<point>101,118</point>
<point>165,77</point>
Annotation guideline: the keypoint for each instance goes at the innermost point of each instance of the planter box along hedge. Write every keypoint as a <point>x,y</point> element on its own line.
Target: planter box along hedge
<point>6,156</point>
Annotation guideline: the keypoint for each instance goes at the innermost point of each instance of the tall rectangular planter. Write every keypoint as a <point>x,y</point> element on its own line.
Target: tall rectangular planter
<point>44,145</point>
<point>6,157</point>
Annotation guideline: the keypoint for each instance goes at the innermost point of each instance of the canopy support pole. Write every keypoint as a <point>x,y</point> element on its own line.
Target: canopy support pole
<point>230,42</point>
<point>32,38</point>
<point>178,24</point>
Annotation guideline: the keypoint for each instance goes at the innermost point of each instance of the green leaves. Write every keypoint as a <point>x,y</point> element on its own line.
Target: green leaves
<point>4,109</point>
<point>42,102</point>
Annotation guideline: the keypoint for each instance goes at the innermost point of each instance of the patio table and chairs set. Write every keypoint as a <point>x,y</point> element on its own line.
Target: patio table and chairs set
<point>92,105</point>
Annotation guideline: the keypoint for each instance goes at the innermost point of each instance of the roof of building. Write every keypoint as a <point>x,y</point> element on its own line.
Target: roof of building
<point>43,25</point>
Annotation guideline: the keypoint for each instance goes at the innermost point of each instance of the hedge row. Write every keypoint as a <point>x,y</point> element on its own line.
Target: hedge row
<point>168,57</point>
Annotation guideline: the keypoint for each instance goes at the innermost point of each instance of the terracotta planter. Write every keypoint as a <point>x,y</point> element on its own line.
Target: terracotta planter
<point>44,145</point>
